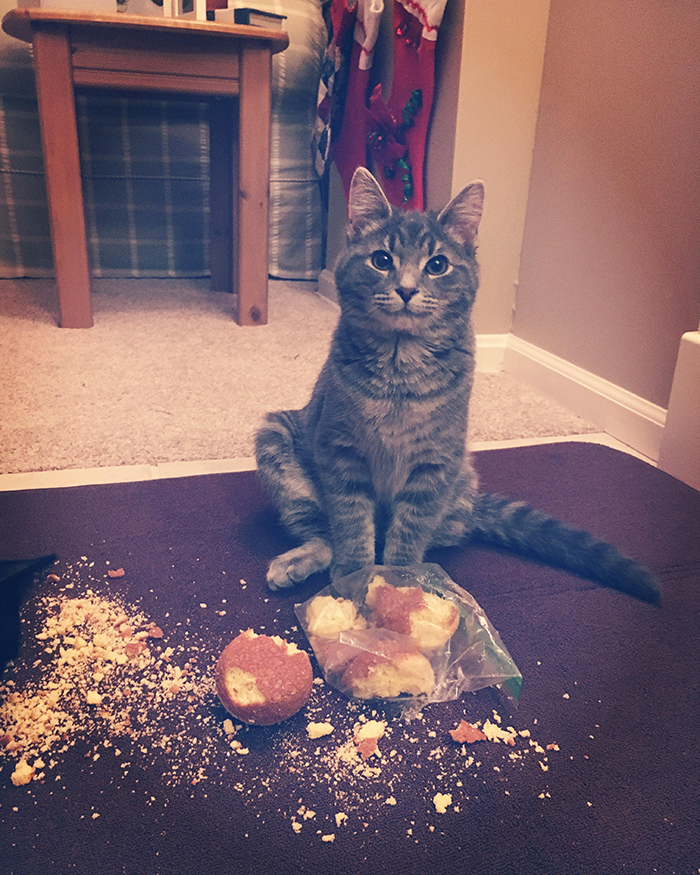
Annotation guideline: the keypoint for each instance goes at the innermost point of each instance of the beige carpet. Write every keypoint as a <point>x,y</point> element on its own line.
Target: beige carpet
<point>167,375</point>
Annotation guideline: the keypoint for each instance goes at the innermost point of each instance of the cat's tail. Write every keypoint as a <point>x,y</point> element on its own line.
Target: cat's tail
<point>529,532</point>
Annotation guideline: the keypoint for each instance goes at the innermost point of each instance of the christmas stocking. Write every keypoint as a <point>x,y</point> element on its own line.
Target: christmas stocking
<point>350,150</point>
<point>398,129</point>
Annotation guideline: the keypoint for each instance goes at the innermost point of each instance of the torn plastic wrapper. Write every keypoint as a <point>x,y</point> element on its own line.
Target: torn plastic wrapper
<point>405,634</point>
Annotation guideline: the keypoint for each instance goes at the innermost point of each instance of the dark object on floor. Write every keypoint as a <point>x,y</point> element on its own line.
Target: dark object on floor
<point>15,579</point>
<point>611,681</point>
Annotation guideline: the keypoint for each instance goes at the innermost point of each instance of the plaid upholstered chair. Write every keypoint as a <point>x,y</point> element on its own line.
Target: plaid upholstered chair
<point>145,170</point>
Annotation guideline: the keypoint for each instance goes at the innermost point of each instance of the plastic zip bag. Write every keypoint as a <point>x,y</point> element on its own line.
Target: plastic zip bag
<point>405,634</point>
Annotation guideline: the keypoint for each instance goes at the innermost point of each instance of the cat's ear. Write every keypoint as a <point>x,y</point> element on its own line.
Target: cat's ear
<point>462,215</point>
<point>367,203</point>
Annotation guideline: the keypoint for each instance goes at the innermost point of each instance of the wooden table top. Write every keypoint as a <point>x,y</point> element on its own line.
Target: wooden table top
<point>19,23</point>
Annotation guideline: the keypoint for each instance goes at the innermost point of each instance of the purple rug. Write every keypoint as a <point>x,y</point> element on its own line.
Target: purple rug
<point>602,776</point>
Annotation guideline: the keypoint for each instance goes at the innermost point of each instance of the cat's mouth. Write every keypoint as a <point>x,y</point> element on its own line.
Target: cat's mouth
<point>405,319</point>
<point>412,308</point>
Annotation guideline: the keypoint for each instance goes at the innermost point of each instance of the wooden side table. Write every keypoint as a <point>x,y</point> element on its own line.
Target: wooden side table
<point>228,65</point>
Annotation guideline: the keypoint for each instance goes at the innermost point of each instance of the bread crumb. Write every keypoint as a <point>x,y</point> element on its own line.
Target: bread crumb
<point>370,729</point>
<point>390,801</point>
<point>22,774</point>
<point>318,730</point>
<point>328,838</point>
<point>340,818</point>
<point>442,801</point>
<point>467,733</point>
<point>366,737</point>
<point>495,733</point>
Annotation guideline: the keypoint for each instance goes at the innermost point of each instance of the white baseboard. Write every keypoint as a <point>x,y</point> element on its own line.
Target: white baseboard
<point>616,411</point>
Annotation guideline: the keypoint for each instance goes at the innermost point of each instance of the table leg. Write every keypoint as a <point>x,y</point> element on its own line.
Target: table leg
<point>250,269</point>
<point>59,132</point>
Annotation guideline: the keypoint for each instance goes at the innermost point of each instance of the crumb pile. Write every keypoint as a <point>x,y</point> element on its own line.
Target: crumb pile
<point>104,671</point>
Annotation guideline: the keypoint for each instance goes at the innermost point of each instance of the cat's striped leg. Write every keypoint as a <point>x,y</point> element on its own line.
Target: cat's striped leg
<point>291,488</point>
<point>350,500</point>
<point>352,518</point>
<point>418,511</point>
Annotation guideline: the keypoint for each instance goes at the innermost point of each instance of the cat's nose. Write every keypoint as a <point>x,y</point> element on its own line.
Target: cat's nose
<point>405,293</point>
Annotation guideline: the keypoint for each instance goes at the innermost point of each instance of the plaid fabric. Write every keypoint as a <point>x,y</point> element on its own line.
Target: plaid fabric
<point>296,213</point>
<point>25,242</point>
<point>145,184</point>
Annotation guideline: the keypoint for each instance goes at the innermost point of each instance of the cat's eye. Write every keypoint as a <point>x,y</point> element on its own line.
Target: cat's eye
<point>381,260</point>
<point>437,265</point>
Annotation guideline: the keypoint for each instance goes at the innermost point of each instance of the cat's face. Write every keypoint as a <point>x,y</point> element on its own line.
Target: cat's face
<point>408,272</point>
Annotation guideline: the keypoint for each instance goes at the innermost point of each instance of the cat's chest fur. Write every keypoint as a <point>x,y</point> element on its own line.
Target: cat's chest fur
<point>398,407</point>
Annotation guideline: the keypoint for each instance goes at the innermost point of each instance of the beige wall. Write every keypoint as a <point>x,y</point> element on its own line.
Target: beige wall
<point>496,88</point>
<point>439,154</point>
<point>610,270</point>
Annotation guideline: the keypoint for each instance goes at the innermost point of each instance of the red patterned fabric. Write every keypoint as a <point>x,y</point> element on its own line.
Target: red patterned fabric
<point>388,135</point>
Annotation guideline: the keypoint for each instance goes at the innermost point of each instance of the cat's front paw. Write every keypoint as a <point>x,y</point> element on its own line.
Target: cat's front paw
<point>278,576</point>
<point>294,566</point>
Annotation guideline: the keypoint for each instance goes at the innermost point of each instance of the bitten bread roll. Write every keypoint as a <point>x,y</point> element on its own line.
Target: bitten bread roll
<point>430,621</point>
<point>262,679</point>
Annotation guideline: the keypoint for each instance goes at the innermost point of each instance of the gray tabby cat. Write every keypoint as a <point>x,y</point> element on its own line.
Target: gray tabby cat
<point>375,467</point>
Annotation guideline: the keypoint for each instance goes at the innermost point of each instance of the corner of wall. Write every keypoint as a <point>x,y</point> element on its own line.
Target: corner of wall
<point>500,76</point>
<point>680,444</point>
